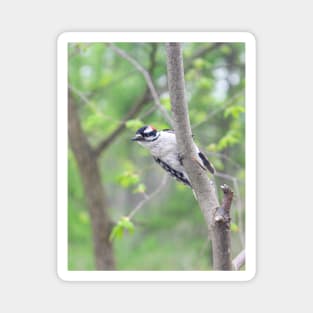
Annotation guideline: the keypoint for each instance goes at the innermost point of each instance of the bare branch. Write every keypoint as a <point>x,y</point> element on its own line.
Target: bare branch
<point>221,236</point>
<point>135,109</point>
<point>200,53</point>
<point>239,260</point>
<point>218,110</point>
<point>148,79</point>
<point>148,197</point>
<point>189,64</point>
<point>234,180</point>
<point>96,199</point>
<point>115,133</point>
<point>216,216</point>
<point>204,189</point>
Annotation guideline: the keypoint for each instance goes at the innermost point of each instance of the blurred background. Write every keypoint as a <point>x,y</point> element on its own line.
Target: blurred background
<point>154,223</point>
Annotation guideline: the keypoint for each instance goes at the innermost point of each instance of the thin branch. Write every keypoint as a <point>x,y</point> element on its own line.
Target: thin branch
<point>148,79</point>
<point>79,94</point>
<point>218,110</point>
<point>239,260</point>
<point>223,212</point>
<point>148,197</point>
<point>115,133</point>
<point>234,180</point>
<point>148,112</point>
<point>217,218</point>
<point>225,157</point>
<point>135,109</point>
<point>221,235</point>
<point>200,53</point>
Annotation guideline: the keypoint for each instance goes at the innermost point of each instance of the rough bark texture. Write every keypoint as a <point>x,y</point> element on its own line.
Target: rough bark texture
<point>221,236</point>
<point>204,189</point>
<point>94,192</point>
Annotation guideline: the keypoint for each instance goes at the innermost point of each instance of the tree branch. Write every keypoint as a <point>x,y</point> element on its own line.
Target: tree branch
<point>148,79</point>
<point>148,197</point>
<point>200,53</point>
<point>217,218</point>
<point>239,260</point>
<point>135,109</point>
<point>95,196</point>
<point>221,236</point>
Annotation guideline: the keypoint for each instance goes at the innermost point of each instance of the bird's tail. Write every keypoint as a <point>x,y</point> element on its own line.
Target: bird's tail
<point>207,163</point>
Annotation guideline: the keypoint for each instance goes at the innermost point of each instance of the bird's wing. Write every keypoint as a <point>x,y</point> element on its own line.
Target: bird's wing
<point>206,163</point>
<point>174,173</point>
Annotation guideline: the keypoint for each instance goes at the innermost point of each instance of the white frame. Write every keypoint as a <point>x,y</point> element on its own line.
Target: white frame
<point>250,153</point>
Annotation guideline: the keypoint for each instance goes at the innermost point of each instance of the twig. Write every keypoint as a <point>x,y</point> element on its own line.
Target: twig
<point>216,111</point>
<point>148,197</point>
<point>115,133</point>
<point>135,109</point>
<point>200,53</point>
<point>148,79</point>
<point>234,180</point>
<point>221,236</point>
<point>79,94</point>
<point>225,157</point>
<point>239,260</point>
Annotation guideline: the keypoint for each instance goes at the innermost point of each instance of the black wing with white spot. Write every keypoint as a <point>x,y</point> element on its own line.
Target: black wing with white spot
<point>207,163</point>
<point>174,173</point>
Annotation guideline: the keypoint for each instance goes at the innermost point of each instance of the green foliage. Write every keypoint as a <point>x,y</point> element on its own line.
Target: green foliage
<point>166,102</point>
<point>170,230</point>
<point>234,227</point>
<point>128,179</point>
<point>141,188</point>
<point>134,124</point>
<point>231,138</point>
<point>234,111</point>
<point>124,224</point>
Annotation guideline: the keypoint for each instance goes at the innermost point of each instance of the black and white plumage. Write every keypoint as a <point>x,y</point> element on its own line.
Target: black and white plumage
<point>163,147</point>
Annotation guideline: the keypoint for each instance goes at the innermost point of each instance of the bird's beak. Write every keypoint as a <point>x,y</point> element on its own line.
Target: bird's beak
<point>138,137</point>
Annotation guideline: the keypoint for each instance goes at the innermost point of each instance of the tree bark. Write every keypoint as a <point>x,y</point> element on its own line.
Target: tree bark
<point>203,188</point>
<point>94,192</point>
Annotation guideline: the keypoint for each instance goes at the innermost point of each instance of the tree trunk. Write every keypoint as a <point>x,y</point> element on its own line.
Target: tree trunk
<point>216,217</point>
<point>94,192</point>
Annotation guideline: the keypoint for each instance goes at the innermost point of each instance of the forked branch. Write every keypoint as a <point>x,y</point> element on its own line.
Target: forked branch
<point>135,108</point>
<point>217,218</point>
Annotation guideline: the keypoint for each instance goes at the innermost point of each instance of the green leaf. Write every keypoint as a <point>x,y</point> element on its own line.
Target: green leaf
<point>141,188</point>
<point>225,49</point>
<point>212,147</point>
<point>205,83</point>
<point>166,102</point>
<point>134,124</point>
<point>127,224</point>
<point>84,217</point>
<point>230,139</point>
<point>234,228</point>
<point>128,179</point>
<point>234,111</point>
<point>118,230</point>
<point>199,63</point>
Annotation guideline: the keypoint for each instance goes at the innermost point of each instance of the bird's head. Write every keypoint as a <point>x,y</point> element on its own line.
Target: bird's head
<point>146,134</point>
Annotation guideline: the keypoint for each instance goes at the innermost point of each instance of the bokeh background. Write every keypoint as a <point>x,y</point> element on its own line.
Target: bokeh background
<point>168,231</point>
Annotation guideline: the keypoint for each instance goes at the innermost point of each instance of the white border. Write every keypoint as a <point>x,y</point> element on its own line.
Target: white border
<point>250,152</point>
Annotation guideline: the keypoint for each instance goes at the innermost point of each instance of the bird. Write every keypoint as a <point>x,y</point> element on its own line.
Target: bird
<point>163,147</point>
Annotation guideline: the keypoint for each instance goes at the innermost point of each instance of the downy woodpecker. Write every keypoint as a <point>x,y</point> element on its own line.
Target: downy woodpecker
<point>163,147</point>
